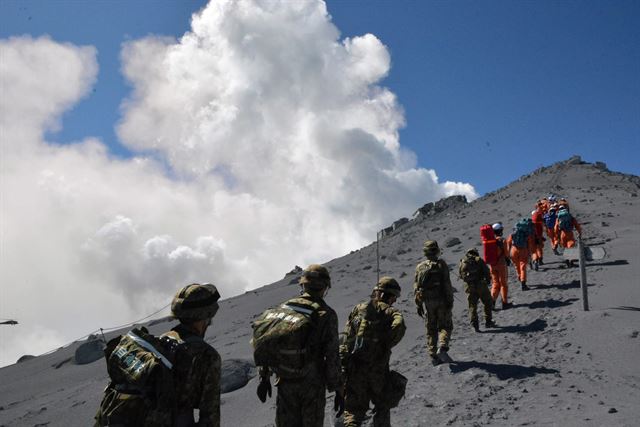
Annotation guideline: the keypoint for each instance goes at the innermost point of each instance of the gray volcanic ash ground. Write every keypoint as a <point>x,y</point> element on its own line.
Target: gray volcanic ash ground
<point>549,362</point>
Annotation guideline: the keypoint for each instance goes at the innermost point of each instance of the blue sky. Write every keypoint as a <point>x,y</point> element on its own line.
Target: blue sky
<point>490,90</point>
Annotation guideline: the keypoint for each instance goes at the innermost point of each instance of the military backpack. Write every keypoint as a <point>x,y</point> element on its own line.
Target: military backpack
<point>364,335</point>
<point>429,275</point>
<point>282,337</point>
<point>141,391</point>
<point>471,269</point>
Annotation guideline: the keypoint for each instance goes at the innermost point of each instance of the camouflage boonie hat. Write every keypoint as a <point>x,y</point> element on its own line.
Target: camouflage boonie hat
<point>430,247</point>
<point>388,285</point>
<point>315,277</point>
<point>195,302</point>
<point>473,251</point>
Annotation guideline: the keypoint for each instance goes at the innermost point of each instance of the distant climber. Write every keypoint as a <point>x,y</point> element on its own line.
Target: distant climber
<point>298,341</point>
<point>518,244</point>
<point>373,328</point>
<point>433,291</point>
<point>550,224</point>
<point>476,276</point>
<point>499,272</point>
<point>565,224</point>
<point>537,217</point>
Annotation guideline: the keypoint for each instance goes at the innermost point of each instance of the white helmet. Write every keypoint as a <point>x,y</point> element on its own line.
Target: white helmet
<point>533,212</point>
<point>497,226</point>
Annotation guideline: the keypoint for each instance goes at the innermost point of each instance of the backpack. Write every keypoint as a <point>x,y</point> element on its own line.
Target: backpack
<point>489,244</point>
<point>363,332</point>
<point>565,220</point>
<point>550,219</point>
<point>471,270</point>
<point>141,391</point>
<point>428,275</point>
<point>521,233</point>
<point>281,337</point>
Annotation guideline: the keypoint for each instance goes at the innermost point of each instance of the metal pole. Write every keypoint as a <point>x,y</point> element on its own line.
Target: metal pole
<point>583,276</point>
<point>378,256</point>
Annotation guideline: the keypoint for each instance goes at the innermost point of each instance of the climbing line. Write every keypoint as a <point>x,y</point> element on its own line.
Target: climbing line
<point>94,332</point>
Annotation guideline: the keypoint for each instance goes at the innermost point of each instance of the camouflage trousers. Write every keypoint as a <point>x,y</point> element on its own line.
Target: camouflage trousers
<point>475,292</point>
<point>439,325</point>
<point>366,384</point>
<point>300,404</point>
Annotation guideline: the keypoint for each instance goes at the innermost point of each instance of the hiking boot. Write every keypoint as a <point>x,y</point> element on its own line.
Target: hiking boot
<point>490,324</point>
<point>506,305</point>
<point>443,355</point>
<point>435,361</point>
<point>476,326</point>
<point>555,251</point>
<point>540,261</point>
<point>524,286</point>
<point>535,265</point>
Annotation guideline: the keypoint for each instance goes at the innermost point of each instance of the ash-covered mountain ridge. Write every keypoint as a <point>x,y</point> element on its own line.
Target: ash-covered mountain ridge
<point>548,363</point>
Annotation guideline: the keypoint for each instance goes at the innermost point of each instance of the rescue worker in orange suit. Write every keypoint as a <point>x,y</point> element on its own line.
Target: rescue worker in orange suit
<point>499,272</point>
<point>538,237</point>
<point>518,244</point>
<point>550,225</point>
<point>565,224</point>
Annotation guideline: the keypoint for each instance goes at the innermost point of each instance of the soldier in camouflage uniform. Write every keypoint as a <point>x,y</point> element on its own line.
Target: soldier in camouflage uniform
<point>373,328</point>
<point>476,276</point>
<point>301,401</point>
<point>197,370</point>
<point>194,378</point>
<point>433,292</point>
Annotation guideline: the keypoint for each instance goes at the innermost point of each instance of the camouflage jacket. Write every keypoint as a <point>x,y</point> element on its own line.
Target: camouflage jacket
<point>432,281</point>
<point>389,332</point>
<point>473,270</point>
<point>325,369</point>
<point>197,372</point>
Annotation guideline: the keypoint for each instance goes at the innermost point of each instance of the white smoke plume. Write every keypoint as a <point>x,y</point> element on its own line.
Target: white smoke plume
<point>261,140</point>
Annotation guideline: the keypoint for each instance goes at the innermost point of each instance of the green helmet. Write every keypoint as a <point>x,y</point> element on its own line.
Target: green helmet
<point>431,248</point>
<point>315,277</point>
<point>195,302</point>
<point>388,285</point>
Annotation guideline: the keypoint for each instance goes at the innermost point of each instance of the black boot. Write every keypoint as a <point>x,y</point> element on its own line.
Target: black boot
<point>506,305</point>
<point>524,285</point>
<point>490,324</point>
<point>435,361</point>
<point>476,325</point>
<point>535,265</point>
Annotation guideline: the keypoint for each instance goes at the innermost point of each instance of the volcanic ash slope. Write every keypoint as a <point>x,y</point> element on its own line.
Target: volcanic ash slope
<point>549,362</point>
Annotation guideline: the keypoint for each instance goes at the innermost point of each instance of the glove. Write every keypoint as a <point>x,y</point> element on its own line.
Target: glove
<point>420,310</point>
<point>338,403</point>
<point>264,389</point>
<point>418,297</point>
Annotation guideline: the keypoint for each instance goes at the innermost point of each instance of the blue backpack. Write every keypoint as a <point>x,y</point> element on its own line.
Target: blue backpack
<point>550,219</point>
<point>565,220</point>
<point>521,233</point>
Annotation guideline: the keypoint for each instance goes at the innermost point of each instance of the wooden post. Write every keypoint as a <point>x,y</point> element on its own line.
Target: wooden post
<point>583,275</point>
